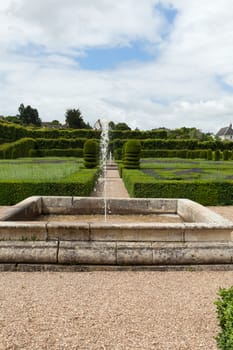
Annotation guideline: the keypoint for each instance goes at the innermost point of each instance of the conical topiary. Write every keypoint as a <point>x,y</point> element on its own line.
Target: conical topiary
<point>90,154</point>
<point>131,154</point>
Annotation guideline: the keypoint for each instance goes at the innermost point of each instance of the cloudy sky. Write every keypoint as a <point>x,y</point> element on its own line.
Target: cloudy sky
<point>148,63</point>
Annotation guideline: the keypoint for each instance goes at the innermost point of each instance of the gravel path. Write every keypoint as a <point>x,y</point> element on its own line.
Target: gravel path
<point>110,310</point>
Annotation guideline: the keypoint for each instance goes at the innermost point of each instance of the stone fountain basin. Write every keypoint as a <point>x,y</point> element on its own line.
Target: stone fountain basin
<point>203,237</point>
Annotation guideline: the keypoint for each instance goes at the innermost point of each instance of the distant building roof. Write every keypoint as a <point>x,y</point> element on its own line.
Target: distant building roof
<point>227,131</point>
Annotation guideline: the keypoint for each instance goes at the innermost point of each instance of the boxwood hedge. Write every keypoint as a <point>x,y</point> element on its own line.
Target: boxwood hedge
<point>225,316</point>
<point>140,185</point>
<point>79,184</point>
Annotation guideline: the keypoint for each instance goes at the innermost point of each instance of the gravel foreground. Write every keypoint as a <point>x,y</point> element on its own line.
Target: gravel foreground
<point>110,310</point>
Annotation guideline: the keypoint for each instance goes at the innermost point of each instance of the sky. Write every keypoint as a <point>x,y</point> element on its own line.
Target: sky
<point>147,63</point>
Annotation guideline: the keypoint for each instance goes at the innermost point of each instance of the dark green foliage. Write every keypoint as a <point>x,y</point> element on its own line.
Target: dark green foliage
<point>90,154</point>
<point>131,154</point>
<point>225,316</point>
<point>74,119</point>
<point>140,185</point>
<point>217,155</point>
<point>226,154</point>
<point>12,132</point>
<point>17,149</point>
<point>29,116</point>
<point>136,134</point>
<point>57,152</point>
<point>209,154</point>
<point>80,184</point>
<point>121,126</point>
<point>60,143</point>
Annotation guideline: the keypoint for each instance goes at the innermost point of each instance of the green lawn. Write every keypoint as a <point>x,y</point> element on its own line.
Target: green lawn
<point>188,170</point>
<point>38,169</point>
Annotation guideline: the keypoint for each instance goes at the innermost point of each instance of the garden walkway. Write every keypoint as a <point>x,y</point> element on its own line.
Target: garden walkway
<point>115,187</point>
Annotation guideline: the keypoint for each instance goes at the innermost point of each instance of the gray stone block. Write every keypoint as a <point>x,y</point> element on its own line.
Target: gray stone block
<point>89,205</point>
<point>192,253</point>
<point>131,253</point>
<point>57,205</point>
<point>28,252</point>
<point>68,231</point>
<point>206,232</point>
<point>21,231</point>
<point>87,253</point>
<point>136,232</point>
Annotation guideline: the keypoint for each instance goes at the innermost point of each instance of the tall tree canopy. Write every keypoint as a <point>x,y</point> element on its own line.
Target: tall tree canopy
<point>29,115</point>
<point>75,120</point>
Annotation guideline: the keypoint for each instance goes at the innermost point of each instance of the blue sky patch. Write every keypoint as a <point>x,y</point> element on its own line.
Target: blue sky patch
<point>168,12</point>
<point>110,58</point>
<point>226,87</point>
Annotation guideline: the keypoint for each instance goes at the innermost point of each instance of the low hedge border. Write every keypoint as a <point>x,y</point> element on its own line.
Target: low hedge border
<point>56,152</point>
<point>140,185</point>
<point>78,184</point>
<point>225,316</point>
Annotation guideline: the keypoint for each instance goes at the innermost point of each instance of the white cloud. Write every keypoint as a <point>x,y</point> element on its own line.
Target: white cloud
<point>40,43</point>
<point>83,23</point>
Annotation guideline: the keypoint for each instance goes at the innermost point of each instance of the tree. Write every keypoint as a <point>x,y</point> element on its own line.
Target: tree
<point>12,119</point>
<point>29,115</point>
<point>111,125</point>
<point>74,119</point>
<point>122,126</point>
<point>55,122</point>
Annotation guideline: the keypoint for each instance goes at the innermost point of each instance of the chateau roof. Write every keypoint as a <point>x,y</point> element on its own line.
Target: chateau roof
<point>227,131</point>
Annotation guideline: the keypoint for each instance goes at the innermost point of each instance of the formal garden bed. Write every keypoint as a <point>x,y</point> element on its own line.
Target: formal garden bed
<point>25,177</point>
<point>207,182</point>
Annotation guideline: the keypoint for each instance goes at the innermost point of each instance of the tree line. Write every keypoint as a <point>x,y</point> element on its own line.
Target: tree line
<point>29,116</point>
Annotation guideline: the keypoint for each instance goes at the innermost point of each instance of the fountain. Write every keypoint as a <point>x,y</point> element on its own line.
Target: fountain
<point>104,141</point>
<point>200,237</point>
<point>77,233</point>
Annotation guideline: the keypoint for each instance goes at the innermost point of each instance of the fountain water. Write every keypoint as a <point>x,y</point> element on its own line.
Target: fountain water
<point>104,141</point>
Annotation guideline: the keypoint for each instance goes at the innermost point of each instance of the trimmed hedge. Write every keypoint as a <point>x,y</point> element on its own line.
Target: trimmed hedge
<point>90,154</point>
<point>60,143</point>
<point>166,153</point>
<point>225,316</point>
<point>174,144</point>
<point>56,152</point>
<point>137,134</point>
<point>20,148</point>
<point>28,147</point>
<point>79,184</point>
<point>12,132</point>
<point>140,185</point>
<point>131,156</point>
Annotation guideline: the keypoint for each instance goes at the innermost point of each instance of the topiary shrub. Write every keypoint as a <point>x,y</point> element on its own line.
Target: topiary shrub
<point>90,153</point>
<point>225,316</point>
<point>217,155</point>
<point>226,154</point>
<point>209,154</point>
<point>131,154</point>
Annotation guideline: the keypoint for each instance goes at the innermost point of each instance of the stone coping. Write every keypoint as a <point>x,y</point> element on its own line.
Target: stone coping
<point>207,239</point>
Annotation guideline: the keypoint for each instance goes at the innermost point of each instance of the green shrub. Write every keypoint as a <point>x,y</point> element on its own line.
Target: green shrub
<point>90,154</point>
<point>131,154</point>
<point>79,184</point>
<point>209,154</point>
<point>225,316</point>
<point>141,185</point>
<point>60,143</point>
<point>56,152</point>
<point>226,154</point>
<point>17,149</point>
<point>217,155</point>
